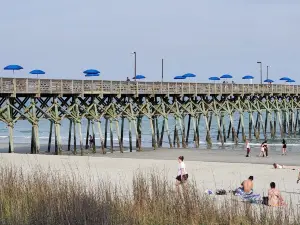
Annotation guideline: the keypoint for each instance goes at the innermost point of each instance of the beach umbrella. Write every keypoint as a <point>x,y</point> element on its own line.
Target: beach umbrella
<point>226,76</point>
<point>139,77</point>
<point>179,78</point>
<point>92,75</point>
<point>13,67</point>
<point>189,75</point>
<point>268,81</point>
<point>291,81</point>
<point>91,71</point>
<point>37,72</point>
<point>248,77</point>
<point>214,78</point>
<point>284,78</point>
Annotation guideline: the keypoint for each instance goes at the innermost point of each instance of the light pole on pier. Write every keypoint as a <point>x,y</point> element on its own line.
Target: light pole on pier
<point>260,71</point>
<point>162,70</point>
<point>268,71</point>
<point>134,66</point>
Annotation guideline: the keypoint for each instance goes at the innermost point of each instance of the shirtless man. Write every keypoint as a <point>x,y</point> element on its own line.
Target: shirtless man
<point>248,185</point>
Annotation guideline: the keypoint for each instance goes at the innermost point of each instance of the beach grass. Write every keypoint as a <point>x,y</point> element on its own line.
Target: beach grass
<point>48,197</point>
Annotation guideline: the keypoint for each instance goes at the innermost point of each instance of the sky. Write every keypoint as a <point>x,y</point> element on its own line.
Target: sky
<point>204,37</point>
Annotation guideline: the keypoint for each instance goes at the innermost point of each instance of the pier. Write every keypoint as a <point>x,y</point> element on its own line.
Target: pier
<point>269,108</point>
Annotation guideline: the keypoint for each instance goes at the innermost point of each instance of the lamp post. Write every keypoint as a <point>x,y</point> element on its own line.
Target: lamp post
<point>268,72</point>
<point>260,71</point>
<point>162,70</point>
<point>134,66</point>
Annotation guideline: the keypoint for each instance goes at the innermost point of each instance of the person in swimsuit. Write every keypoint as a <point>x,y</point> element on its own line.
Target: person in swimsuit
<point>91,140</point>
<point>283,147</point>
<point>274,196</point>
<point>248,148</point>
<point>182,174</point>
<point>262,150</point>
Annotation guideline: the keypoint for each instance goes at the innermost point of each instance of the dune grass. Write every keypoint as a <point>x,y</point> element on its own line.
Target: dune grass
<point>50,198</point>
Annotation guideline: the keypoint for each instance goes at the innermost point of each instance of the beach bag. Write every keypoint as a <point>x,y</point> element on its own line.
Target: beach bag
<point>220,192</point>
<point>265,200</point>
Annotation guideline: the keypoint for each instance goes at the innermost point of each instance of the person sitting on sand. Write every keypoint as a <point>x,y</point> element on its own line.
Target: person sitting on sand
<point>182,174</point>
<point>246,186</point>
<point>274,196</point>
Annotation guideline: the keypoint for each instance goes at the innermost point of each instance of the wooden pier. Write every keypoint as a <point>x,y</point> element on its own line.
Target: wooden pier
<point>269,108</point>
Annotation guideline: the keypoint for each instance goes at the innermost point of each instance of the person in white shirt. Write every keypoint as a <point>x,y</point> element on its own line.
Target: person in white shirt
<point>248,147</point>
<point>182,174</point>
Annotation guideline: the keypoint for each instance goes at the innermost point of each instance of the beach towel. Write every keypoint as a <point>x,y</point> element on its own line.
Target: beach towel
<point>250,197</point>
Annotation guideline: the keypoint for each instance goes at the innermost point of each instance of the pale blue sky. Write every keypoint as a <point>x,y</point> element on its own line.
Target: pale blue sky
<point>205,37</point>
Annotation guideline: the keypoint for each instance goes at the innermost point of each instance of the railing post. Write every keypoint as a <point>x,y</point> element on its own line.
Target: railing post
<point>15,87</point>
<point>168,88</point>
<point>92,87</point>
<point>196,91</point>
<point>101,94</point>
<point>61,87</point>
<point>72,87</point>
<point>82,87</point>
<point>1,85</point>
<point>182,88</point>
<point>111,86</point>
<point>26,83</point>
<point>39,88</point>
<point>50,85</point>
<point>137,88</point>
<point>120,89</point>
<point>189,88</point>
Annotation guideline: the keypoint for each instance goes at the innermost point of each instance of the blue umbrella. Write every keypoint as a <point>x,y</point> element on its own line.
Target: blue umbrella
<point>226,76</point>
<point>179,78</point>
<point>13,67</point>
<point>248,77</point>
<point>290,81</point>
<point>91,71</point>
<point>268,81</point>
<point>139,77</point>
<point>214,78</point>
<point>92,74</point>
<point>285,78</point>
<point>37,72</point>
<point>189,75</point>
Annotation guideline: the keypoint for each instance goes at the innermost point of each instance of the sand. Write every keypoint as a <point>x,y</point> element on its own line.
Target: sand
<point>120,168</point>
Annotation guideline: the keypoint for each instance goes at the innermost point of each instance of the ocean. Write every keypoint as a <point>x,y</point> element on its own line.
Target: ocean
<point>22,134</point>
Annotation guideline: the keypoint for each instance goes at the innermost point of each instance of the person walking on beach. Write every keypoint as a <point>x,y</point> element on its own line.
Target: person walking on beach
<point>182,174</point>
<point>248,148</point>
<point>91,140</point>
<point>283,147</point>
<point>262,150</point>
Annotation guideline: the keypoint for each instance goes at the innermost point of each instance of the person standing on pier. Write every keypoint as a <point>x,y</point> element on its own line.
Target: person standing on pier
<point>283,147</point>
<point>248,148</point>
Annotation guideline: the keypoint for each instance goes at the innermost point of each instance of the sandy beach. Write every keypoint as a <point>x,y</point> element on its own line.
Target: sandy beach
<point>210,170</point>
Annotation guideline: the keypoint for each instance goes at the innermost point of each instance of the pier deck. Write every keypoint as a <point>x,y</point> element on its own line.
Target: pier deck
<point>269,108</point>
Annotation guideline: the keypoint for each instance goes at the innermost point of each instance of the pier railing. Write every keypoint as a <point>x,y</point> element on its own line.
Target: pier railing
<point>56,86</point>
